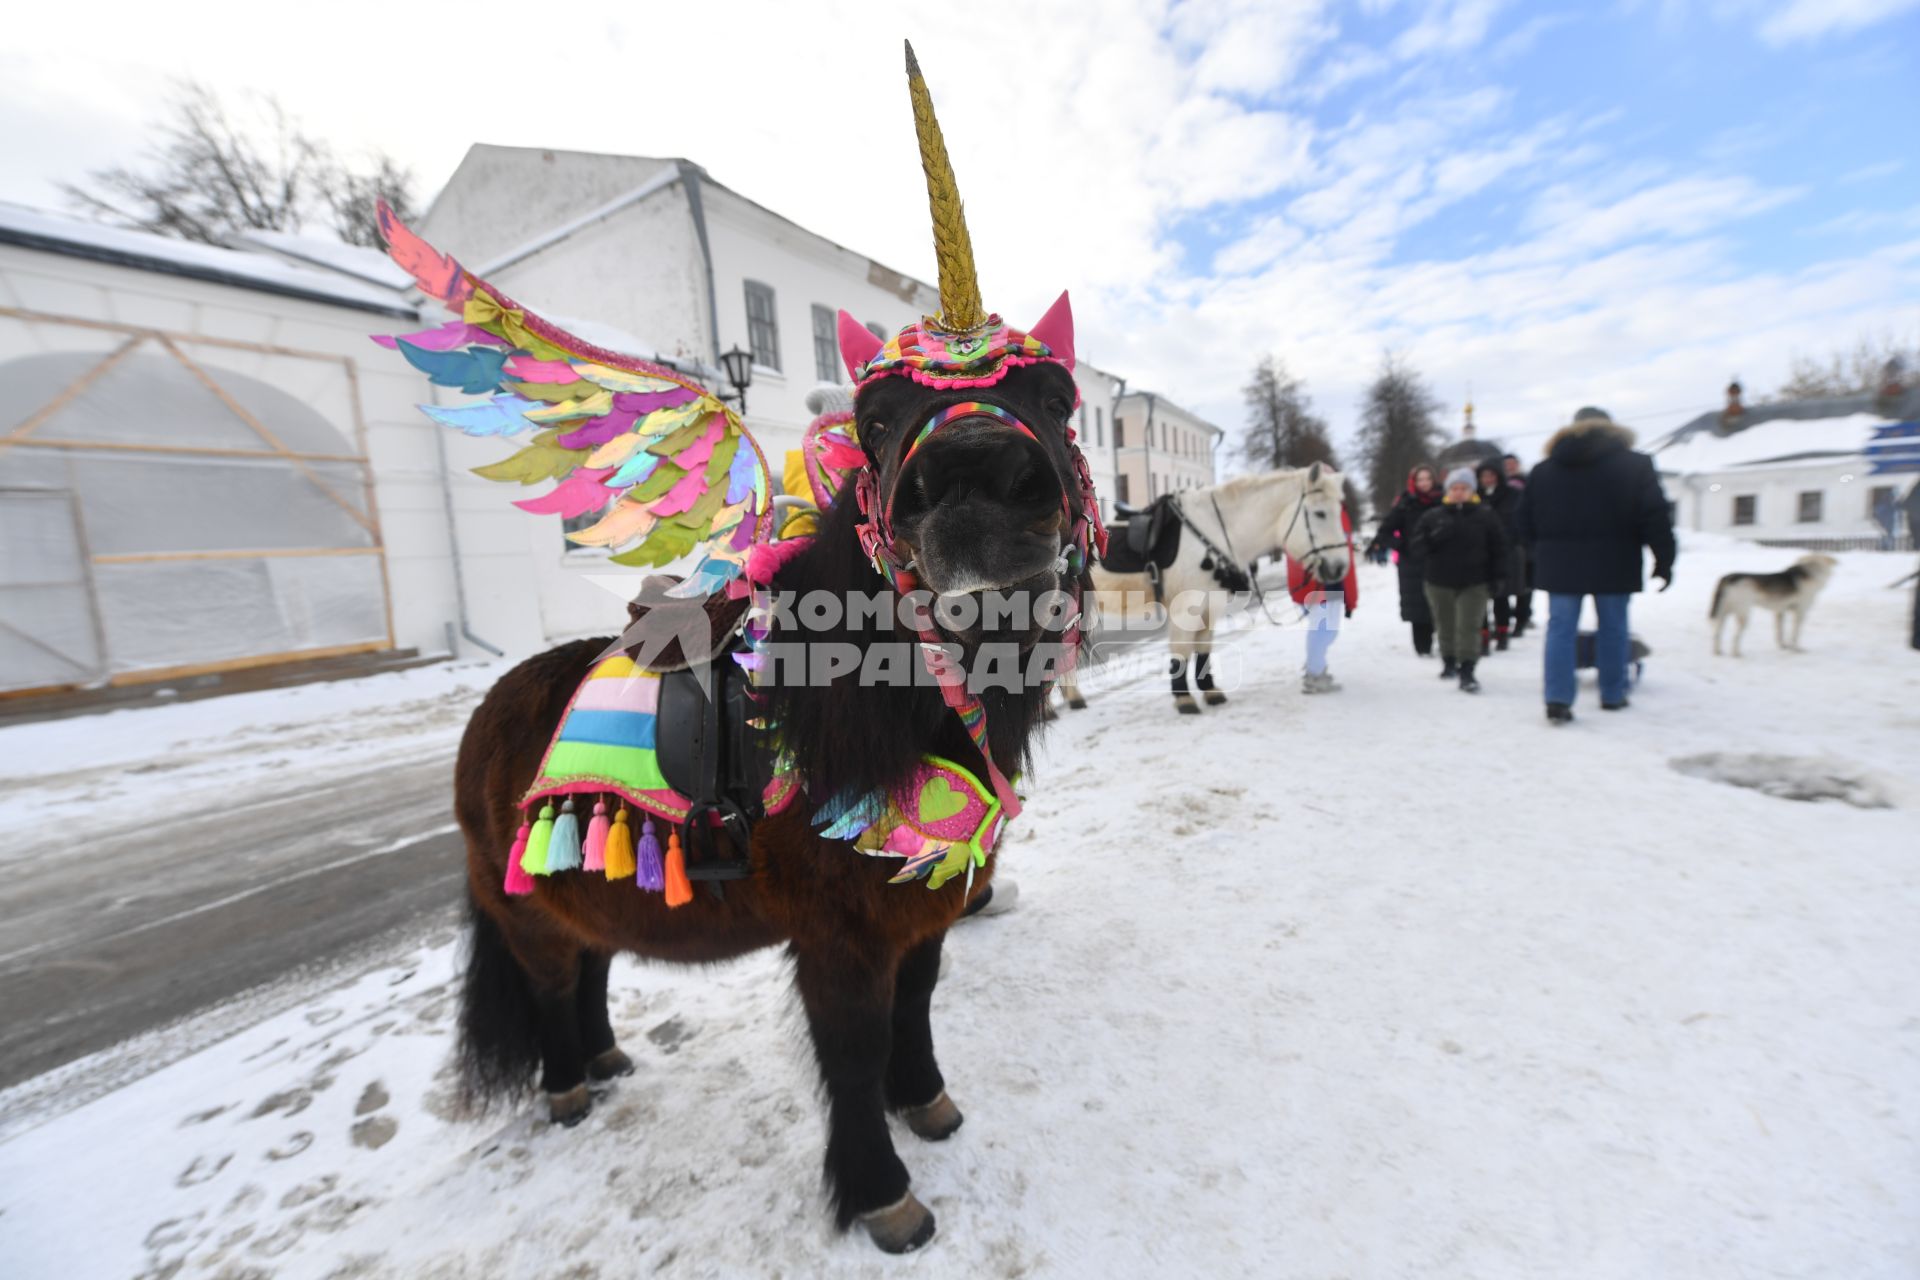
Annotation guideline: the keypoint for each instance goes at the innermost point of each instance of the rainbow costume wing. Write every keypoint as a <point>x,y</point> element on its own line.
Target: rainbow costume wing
<point>668,465</point>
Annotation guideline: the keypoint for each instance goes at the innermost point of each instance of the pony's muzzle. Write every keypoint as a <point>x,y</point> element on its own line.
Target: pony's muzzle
<point>982,506</point>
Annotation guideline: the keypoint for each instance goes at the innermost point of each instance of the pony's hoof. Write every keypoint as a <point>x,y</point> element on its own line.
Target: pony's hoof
<point>571,1107</point>
<point>901,1227</point>
<point>1215,697</point>
<point>934,1121</point>
<point>1078,704</point>
<point>610,1063</point>
<point>1185,705</point>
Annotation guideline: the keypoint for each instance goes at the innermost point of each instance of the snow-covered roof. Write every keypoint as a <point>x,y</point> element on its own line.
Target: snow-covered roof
<point>354,260</point>
<point>240,268</point>
<point>1776,441</point>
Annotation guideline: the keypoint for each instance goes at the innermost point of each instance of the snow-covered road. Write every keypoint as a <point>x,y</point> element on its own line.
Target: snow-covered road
<point>1397,982</point>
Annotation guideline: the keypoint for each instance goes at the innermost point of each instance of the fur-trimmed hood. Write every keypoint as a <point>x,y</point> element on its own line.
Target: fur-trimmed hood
<point>1586,440</point>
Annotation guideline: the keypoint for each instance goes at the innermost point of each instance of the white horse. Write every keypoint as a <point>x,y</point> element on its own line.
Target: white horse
<point>1295,511</point>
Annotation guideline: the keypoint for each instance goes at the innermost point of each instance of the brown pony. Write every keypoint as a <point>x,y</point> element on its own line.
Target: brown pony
<point>981,507</point>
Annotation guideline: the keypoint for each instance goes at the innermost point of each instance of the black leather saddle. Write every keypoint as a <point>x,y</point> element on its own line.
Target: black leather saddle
<point>708,747</point>
<point>710,751</point>
<point>1143,540</point>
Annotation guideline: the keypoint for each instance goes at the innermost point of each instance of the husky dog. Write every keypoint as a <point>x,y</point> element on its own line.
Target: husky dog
<point>1789,591</point>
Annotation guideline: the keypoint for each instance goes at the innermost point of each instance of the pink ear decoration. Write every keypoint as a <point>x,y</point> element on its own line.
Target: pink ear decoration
<point>857,345</point>
<point>1055,329</point>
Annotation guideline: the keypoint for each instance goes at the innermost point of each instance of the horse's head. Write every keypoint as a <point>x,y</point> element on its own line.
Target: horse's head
<point>979,489</point>
<point>1310,531</point>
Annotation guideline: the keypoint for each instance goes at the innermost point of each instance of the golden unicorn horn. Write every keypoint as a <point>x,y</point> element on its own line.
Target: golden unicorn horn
<point>960,305</point>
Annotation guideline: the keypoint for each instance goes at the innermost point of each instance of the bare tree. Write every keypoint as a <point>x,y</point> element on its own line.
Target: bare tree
<point>209,176</point>
<point>1282,431</point>
<point>1861,369</point>
<point>1397,428</point>
<point>352,197</point>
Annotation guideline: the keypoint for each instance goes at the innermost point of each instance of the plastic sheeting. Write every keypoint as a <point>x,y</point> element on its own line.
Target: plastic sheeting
<point>187,612</point>
<point>172,584</point>
<point>46,611</point>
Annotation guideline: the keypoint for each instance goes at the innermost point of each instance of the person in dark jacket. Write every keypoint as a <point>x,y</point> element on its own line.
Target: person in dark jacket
<point>1465,555</point>
<point>1522,586</point>
<point>1496,497</point>
<point>1587,511</point>
<point>1396,534</point>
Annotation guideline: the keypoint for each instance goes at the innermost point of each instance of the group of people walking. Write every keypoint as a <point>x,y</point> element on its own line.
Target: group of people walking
<point>1473,545</point>
<point>1458,550</point>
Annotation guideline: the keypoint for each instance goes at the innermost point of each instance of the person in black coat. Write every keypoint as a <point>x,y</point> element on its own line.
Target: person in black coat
<point>1396,534</point>
<point>1504,502</point>
<point>1587,511</point>
<point>1465,556</point>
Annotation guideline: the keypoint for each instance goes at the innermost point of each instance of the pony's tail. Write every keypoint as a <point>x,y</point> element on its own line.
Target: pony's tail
<point>499,1046</point>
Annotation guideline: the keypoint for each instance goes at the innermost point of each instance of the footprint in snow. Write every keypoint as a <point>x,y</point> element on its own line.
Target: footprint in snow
<point>375,1132</point>
<point>292,1147</point>
<point>203,1169</point>
<point>372,1098</point>
<point>671,1034</point>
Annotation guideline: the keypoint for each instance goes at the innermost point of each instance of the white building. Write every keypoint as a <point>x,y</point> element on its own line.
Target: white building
<point>1160,448</point>
<point>1787,473</point>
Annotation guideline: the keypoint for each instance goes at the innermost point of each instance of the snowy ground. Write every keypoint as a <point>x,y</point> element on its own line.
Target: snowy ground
<point>1396,982</point>
<point>89,771</point>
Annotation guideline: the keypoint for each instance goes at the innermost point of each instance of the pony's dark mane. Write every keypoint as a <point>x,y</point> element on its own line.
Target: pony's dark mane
<point>849,739</point>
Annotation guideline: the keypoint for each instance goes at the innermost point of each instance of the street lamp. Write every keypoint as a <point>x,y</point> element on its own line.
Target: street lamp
<point>738,366</point>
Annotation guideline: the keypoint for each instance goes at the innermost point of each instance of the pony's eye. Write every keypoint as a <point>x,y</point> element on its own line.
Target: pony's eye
<point>1060,409</point>
<point>872,432</point>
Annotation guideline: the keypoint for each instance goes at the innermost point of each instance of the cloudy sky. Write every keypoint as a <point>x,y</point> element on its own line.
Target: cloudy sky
<point>1621,204</point>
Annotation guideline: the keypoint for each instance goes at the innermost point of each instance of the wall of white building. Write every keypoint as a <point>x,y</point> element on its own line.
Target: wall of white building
<point>1164,448</point>
<point>1707,501</point>
<point>803,270</point>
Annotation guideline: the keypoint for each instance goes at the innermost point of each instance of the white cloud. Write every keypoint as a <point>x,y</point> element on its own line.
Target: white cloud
<point>1812,19</point>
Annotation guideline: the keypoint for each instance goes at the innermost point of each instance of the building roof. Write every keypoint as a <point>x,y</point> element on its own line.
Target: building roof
<point>260,271</point>
<point>1773,434</point>
<point>370,265</point>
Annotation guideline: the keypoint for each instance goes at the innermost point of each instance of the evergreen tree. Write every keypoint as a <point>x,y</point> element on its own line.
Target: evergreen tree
<point>1397,430</point>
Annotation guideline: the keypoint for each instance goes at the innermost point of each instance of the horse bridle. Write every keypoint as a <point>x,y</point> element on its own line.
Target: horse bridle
<point>876,532</point>
<point>1314,549</point>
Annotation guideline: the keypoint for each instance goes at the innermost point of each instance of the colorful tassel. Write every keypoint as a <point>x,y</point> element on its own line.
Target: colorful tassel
<point>534,860</point>
<point>619,855</point>
<point>563,849</point>
<point>651,873</point>
<point>519,883</point>
<point>594,854</point>
<point>679,888</point>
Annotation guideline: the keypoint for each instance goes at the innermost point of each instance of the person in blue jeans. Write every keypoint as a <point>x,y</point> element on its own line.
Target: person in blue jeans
<point>1586,513</point>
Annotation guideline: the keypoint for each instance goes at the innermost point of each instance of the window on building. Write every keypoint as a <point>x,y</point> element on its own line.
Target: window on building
<point>826,344</point>
<point>1810,503</point>
<point>1120,489</point>
<point>1119,432</point>
<point>1879,498</point>
<point>763,330</point>
<point>1745,508</point>
<point>1099,427</point>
